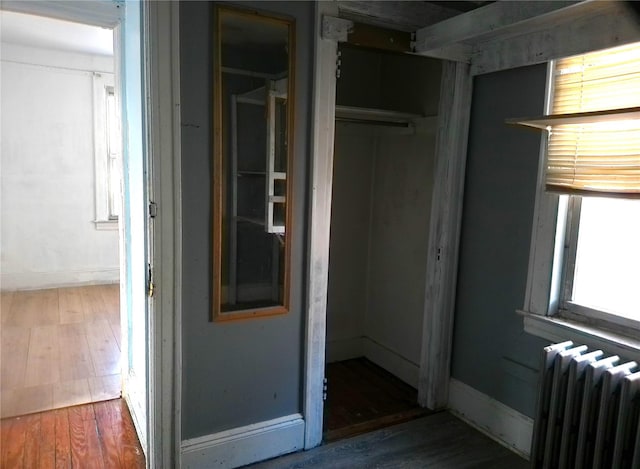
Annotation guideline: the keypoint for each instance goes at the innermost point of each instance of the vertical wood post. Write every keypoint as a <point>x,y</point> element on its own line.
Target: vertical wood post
<point>444,234</point>
<point>324,99</point>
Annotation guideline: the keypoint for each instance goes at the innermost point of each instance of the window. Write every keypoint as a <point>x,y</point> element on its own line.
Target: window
<point>587,229</point>
<point>106,152</point>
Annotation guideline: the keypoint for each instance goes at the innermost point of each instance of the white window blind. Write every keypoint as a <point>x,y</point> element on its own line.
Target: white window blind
<point>601,157</point>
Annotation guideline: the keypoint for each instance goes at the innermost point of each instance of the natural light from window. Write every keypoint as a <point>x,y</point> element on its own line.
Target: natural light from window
<point>607,273</point>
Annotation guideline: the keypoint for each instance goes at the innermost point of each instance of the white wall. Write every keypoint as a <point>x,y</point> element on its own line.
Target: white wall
<point>48,235</point>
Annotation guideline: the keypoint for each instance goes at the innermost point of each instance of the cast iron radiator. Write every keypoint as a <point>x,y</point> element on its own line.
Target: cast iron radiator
<point>588,409</point>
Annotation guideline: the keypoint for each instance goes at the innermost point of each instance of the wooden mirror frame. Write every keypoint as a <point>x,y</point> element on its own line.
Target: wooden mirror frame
<point>219,145</point>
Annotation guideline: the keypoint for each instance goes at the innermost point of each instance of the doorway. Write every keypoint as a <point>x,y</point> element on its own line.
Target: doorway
<point>71,128</point>
<point>61,204</point>
<point>383,176</point>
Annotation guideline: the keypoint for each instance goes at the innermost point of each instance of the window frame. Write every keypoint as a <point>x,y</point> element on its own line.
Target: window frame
<point>104,219</point>
<point>545,315</point>
<point>567,308</point>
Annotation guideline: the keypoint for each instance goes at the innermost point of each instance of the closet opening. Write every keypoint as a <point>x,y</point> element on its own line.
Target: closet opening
<point>383,177</point>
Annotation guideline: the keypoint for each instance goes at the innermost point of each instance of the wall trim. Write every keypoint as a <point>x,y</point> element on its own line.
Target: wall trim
<point>392,361</point>
<point>501,423</point>
<point>68,278</point>
<point>61,60</point>
<point>245,445</point>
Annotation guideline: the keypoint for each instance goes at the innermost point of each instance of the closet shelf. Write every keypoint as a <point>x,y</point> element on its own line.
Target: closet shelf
<point>374,115</point>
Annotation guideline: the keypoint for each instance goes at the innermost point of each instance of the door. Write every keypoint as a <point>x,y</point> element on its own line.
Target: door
<point>135,301</point>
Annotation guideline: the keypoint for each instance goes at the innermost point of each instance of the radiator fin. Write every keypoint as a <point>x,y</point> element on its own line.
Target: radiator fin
<point>588,411</point>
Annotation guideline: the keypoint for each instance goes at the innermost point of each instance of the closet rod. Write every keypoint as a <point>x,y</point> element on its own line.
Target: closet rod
<point>353,120</point>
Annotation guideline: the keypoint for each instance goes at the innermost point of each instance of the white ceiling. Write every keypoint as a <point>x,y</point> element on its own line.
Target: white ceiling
<point>49,33</point>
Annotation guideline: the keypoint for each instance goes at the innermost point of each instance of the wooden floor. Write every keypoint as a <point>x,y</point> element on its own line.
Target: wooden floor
<point>59,347</point>
<point>362,397</point>
<point>99,435</point>
<point>437,441</point>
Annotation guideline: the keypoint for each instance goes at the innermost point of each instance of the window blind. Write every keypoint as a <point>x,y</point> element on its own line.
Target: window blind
<point>596,157</point>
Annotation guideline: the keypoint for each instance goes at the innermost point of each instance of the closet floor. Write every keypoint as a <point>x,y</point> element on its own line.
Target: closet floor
<point>362,397</point>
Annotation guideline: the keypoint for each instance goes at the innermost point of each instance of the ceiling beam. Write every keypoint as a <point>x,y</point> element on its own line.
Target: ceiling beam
<point>491,20</point>
<point>599,25</point>
<point>400,15</point>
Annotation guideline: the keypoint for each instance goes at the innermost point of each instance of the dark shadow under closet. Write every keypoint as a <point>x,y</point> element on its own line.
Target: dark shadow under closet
<point>363,397</point>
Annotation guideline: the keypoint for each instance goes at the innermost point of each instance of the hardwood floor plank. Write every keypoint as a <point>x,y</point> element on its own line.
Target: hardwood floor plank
<point>106,425</point>
<point>81,437</point>
<point>71,308</point>
<point>14,348</point>
<point>131,454</point>
<point>6,300</point>
<point>32,441</point>
<point>13,448</point>
<point>47,440</point>
<point>85,445</point>
<point>82,412</point>
<point>73,352</point>
<point>439,441</point>
<point>63,439</point>
<point>42,359</point>
<point>103,348</point>
<point>363,395</point>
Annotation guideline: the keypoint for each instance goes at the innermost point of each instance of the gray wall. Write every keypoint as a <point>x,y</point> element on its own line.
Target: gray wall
<point>248,371</point>
<point>383,182</point>
<point>490,350</point>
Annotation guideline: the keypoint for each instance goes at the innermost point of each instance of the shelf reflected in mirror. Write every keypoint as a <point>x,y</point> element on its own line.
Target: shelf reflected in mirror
<point>253,119</point>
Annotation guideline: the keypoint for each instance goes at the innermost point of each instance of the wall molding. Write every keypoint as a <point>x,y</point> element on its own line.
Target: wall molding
<point>245,445</point>
<point>59,279</point>
<point>501,423</point>
<point>392,361</point>
<point>57,59</point>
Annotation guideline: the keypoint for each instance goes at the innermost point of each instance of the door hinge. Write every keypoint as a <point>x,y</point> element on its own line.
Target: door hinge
<point>150,285</point>
<point>338,64</point>
<point>324,389</point>
<point>153,209</point>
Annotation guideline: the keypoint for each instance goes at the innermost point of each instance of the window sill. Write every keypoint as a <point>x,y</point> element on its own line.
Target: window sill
<point>106,225</point>
<point>559,330</point>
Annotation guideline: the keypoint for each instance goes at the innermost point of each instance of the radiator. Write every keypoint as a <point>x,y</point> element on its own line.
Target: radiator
<point>588,410</point>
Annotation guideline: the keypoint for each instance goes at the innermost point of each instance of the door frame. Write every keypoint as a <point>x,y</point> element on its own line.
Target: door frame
<point>160,62</point>
<point>444,227</point>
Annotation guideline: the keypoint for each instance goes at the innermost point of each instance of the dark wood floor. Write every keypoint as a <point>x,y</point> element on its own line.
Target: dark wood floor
<point>436,441</point>
<point>99,435</point>
<point>362,397</point>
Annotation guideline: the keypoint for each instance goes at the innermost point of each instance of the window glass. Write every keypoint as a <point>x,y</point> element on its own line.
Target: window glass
<point>607,272</point>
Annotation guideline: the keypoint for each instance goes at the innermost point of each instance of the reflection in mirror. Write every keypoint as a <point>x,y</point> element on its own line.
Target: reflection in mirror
<point>252,161</point>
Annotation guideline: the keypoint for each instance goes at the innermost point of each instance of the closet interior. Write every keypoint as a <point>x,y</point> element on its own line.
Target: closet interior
<point>385,136</point>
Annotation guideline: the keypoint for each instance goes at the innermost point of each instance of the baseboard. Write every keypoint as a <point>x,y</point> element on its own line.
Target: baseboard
<point>344,349</point>
<point>496,420</point>
<point>391,361</point>
<point>244,445</point>
<point>41,280</point>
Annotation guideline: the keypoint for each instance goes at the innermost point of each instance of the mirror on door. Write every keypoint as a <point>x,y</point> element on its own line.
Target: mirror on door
<point>253,119</point>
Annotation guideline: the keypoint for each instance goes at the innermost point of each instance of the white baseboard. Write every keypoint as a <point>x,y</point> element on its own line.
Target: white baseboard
<point>391,361</point>
<point>244,445</point>
<point>41,280</point>
<point>344,349</point>
<point>498,421</point>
